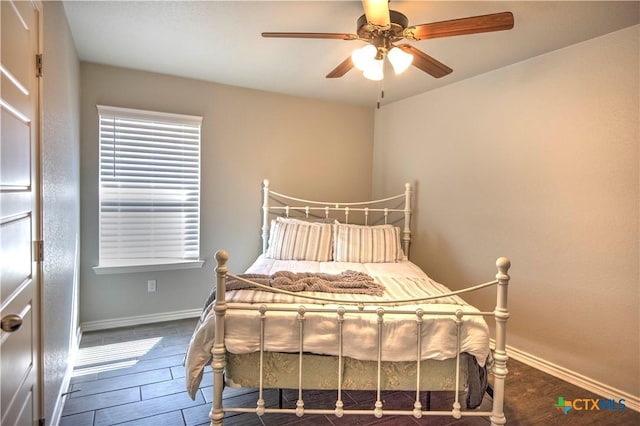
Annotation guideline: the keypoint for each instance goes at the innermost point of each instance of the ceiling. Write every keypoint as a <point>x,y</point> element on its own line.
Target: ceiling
<point>220,41</point>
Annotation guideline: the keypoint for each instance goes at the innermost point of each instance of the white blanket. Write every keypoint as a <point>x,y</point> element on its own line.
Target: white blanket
<point>402,280</point>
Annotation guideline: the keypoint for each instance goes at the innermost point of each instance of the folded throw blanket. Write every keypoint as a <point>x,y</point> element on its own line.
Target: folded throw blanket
<point>345,282</point>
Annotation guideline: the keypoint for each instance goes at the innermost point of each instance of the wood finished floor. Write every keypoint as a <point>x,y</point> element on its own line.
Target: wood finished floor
<point>134,376</point>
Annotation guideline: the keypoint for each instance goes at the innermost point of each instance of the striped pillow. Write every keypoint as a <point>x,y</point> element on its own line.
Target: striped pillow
<point>299,240</point>
<point>367,244</point>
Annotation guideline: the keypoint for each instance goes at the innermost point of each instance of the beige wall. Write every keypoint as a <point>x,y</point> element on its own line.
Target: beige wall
<point>539,162</point>
<point>60,205</point>
<point>303,146</point>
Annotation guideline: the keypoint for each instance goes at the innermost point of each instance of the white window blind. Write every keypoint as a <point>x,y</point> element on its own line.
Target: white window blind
<point>149,187</point>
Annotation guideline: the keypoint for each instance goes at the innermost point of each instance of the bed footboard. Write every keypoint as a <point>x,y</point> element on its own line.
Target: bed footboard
<point>499,369</point>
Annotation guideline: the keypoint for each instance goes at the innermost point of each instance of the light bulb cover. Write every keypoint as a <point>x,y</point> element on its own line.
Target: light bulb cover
<point>363,56</point>
<point>375,70</point>
<point>400,60</point>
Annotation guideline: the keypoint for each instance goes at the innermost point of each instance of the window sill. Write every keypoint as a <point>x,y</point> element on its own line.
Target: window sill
<point>149,266</point>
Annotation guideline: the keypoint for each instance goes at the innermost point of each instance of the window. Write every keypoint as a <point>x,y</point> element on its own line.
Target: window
<point>149,190</point>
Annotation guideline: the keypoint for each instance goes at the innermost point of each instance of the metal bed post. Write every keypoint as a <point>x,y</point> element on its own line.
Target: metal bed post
<point>417,406</point>
<point>339,411</point>
<point>377,411</point>
<point>218,364</point>
<point>455,412</point>
<point>265,215</point>
<point>260,403</point>
<point>406,233</point>
<point>300,401</point>
<point>500,355</point>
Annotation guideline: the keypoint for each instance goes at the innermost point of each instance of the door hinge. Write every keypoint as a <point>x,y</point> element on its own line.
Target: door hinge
<point>39,65</point>
<point>38,251</point>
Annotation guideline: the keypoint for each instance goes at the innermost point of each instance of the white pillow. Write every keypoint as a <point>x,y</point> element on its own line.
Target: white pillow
<point>366,244</point>
<point>291,239</point>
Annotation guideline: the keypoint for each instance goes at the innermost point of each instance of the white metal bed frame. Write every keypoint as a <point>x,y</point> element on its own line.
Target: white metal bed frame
<point>307,207</point>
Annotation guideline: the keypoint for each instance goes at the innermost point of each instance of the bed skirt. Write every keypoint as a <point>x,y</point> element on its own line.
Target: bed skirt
<point>321,373</point>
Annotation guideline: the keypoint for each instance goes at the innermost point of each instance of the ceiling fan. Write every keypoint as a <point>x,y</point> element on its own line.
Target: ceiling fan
<point>382,28</point>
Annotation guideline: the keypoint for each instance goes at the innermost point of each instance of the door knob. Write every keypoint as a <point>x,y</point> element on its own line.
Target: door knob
<point>11,323</point>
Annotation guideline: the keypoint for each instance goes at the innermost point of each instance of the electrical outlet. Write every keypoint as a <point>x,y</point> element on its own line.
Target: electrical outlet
<point>151,286</point>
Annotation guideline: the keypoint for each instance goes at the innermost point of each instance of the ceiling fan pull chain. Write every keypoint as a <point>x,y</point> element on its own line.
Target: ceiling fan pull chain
<point>381,96</point>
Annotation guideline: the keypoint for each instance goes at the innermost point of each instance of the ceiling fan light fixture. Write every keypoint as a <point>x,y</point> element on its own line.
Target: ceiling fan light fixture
<point>400,60</point>
<point>363,56</point>
<point>374,70</point>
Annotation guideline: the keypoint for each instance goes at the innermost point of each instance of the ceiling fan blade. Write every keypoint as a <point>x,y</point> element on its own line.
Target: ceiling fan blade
<point>341,69</point>
<point>425,62</point>
<point>472,25</point>
<point>337,36</point>
<point>377,12</point>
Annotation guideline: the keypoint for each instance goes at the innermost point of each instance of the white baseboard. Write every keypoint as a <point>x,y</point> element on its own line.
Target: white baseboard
<point>577,379</point>
<point>139,320</point>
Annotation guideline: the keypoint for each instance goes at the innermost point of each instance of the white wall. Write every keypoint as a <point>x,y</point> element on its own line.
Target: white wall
<point>60,202</point>
<point>539,162</point>
<point>303,146</point>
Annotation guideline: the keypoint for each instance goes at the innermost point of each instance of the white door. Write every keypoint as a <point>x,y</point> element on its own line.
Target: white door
<point>19,214</point>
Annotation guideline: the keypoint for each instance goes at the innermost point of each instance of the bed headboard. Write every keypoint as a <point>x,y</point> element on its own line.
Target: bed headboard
<point>391,210</point>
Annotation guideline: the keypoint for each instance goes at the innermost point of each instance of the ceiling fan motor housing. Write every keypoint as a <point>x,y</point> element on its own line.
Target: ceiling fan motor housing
<point>382,37</point>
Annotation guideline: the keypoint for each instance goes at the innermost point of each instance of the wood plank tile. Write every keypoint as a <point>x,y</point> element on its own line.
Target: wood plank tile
<point>178,340</point>
<point>197,415</point>
<point>243,419</point>
<point>120,382</point>
<point>146,408</point>
<point>155,330</point>
<point>118,335</point>
<point>274,419</point>
<point>172,418</point>
<point>531,394</point>
<point>450,421</point>
<point>250,399</point>
<point>163,350</point>
<point>91,338</point>
<point>144,365</point>
<point>228,392</point>
<point>81,419</point>
<point>100,400</point>
<point>180,371</point>
<point>155,390</point>
<point>84,378</point>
